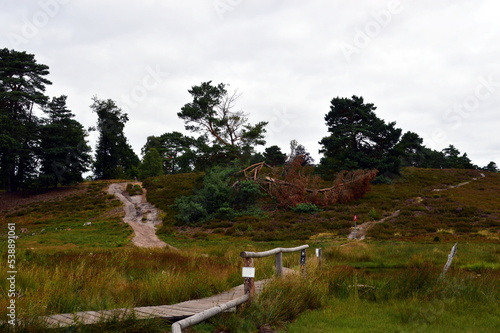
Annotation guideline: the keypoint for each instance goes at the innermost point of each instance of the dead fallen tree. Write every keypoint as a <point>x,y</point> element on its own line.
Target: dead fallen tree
<point>297,184</point>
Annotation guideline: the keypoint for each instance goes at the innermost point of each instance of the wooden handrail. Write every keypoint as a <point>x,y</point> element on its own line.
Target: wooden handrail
<point>278,252</point>
<point>246,254</point>
<point>197,318</point>
<point>249,286</point>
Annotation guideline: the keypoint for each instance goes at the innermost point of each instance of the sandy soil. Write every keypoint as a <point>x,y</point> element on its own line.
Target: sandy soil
<point>359,233</point>
<point>141,215</point>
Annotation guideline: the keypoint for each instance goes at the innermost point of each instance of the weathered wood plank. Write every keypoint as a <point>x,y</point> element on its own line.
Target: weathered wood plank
<point>247,254</point>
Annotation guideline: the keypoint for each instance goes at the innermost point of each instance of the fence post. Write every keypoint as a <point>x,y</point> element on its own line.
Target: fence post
<point>278,260</point>
<point>319,254</point>
<point>249,285</point>
<point>303,261</point>
<point>450,259</point>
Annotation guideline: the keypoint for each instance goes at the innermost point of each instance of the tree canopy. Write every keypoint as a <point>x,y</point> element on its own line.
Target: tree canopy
<point>274,156</point>
<point>358,138</point>
<point>211,113</point>
<point>151,164</point>
<point>51,149</point>
<point>64,151</point>
<point>22,86</point>
<point>114,158</point>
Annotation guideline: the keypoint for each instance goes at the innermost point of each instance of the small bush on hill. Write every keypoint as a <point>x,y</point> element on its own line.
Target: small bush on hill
<point>307,208</point>
<point>220,197</point>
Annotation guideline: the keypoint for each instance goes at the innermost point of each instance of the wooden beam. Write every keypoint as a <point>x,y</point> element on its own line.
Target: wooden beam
<point>198,318</point>
<point>247,254</point>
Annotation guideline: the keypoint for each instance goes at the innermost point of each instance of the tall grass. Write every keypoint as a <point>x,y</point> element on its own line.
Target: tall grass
<point>356,290</point>
<point>72,281</point>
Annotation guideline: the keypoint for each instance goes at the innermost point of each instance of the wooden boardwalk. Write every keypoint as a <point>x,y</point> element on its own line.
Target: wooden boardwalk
<point>168,312</point>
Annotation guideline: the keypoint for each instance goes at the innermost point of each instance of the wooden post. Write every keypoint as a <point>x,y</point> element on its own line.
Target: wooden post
<point>450,259</point>
<point>278,260</point>
<point>249,285</point>
<point>319,254</point>
<point>303,261</point>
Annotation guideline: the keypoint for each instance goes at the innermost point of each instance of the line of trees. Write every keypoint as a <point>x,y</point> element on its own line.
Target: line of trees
<point>52,149</point>
<point>360,140</point>
<point>48,150</point>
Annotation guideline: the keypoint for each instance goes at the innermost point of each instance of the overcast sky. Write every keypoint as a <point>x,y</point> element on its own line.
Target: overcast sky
<point>430,66</point>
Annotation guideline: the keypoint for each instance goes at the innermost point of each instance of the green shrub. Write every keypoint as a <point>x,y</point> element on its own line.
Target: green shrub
<point>133,189</point>
<point>307,208</point>
<point>220,198</point>
<point>373,215</point>
<point>190,211</point>
<point>382,180</point>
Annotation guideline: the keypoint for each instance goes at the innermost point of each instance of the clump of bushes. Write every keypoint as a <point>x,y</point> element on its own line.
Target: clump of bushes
<point>307,208</point>
<point>221,197</point>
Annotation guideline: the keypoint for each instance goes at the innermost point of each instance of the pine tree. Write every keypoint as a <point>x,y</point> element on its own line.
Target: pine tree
<point>358,139</point>
<point>114,157</point>
<point>64,152</point>
<point>151,164</point>
<point>22,86</point>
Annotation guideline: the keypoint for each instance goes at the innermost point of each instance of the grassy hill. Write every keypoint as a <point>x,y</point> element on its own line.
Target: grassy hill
<point>66,264</point>
<point>431,208</point>
<point>80,216</point>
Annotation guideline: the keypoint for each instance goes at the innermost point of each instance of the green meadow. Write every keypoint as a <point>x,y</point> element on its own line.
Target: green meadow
<point>75,254</point>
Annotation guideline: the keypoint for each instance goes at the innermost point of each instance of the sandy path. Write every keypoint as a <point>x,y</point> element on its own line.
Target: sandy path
<point>458,185</point>
<point>359,232</point>
<point>141,215</point>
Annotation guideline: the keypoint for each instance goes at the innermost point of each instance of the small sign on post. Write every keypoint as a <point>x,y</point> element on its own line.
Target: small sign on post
<point>248,272</point>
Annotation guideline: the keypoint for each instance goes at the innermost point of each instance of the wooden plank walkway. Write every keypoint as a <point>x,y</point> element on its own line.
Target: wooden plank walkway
<point>168,312</point>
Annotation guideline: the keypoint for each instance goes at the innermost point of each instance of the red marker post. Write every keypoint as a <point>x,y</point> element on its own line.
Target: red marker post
<point>355,219</point>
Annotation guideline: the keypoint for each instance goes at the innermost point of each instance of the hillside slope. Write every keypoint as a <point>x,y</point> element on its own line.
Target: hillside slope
<point>431,208</point>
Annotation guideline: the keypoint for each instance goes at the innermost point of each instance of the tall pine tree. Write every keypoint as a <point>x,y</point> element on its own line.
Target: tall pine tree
<point>114,157</point>
<point>22,86</point>
<point>64,152</point>
<point>358,139</point>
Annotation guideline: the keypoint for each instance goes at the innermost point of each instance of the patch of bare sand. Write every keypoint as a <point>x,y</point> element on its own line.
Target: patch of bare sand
<point>142,216</point>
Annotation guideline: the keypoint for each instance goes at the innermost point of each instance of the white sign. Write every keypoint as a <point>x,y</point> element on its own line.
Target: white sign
<point>248,272</point>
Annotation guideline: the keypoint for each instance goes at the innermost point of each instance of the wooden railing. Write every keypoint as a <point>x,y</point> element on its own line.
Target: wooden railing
<point>278,252</point>
<point>249,275</point>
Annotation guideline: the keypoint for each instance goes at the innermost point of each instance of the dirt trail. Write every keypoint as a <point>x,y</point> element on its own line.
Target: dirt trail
<point>458,185</point>
<point>359,232</point>
<point>141,215</point>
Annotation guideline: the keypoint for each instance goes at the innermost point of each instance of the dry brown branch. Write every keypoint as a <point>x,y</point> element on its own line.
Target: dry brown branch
<point>299,185</point>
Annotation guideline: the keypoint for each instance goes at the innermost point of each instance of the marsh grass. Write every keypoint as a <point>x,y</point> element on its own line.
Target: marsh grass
<point>71,281</point>
<point>409,300</point>
<point>357,290</point>
<point>346,299</point>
